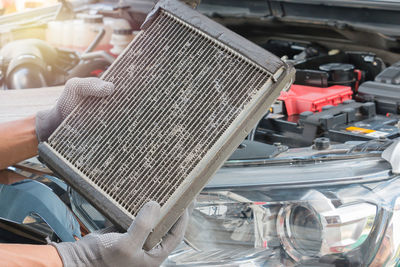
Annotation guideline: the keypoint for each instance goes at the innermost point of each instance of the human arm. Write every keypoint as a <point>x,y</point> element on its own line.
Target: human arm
<point>17,141</point>
<point>13,255</point>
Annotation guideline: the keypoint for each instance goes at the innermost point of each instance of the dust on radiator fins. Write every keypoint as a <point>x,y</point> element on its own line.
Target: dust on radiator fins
<point>188,92</point>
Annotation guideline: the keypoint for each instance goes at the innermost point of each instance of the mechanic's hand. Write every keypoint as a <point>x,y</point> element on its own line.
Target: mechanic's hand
<point>75,90</point>
<point>115,249</point>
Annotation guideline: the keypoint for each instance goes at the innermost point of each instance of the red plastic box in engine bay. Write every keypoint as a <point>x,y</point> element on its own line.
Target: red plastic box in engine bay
<point>302,98</point>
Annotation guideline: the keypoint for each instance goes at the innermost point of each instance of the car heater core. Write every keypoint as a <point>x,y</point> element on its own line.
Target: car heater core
<point>188,91</point>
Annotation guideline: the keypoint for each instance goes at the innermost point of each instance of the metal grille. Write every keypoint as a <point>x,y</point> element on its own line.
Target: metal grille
<point>177,92</point>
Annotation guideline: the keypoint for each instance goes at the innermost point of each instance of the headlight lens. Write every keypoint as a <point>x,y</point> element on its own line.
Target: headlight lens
<point>289,227</point>
<point>300,231</point>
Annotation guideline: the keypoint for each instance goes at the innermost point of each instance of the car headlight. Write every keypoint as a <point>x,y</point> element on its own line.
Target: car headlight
<point>347,225</point>
<point>315,227</point>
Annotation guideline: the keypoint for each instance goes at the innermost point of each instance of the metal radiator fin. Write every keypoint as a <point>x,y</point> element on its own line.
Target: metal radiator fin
<point>179,91</point>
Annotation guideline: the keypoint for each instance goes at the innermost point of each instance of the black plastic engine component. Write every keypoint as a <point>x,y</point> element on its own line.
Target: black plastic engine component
<point>386,96</point>
<point>349,121</point>
<point>254,150</point>
<point>32,63</point>
<point>339,73</point>
<point>368,62</point>
<point>322,143</point>
<point>344,68</point>
<point>390,75</point>
<point>315,78</point>
<point>321,122</point>
<point>384,91</point>
<point>26,76</point>
<point>27,67</point>
<point>294,50</point>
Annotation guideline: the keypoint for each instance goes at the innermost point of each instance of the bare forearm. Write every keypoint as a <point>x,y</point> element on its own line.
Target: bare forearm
<point>14,255</point>
<point>17,141</point>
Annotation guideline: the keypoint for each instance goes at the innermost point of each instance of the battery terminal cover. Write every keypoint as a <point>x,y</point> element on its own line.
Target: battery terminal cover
<point>302,98</point>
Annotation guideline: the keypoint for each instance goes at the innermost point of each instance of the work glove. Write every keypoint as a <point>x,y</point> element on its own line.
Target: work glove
<point>76,89</point>
<point>124,250</point>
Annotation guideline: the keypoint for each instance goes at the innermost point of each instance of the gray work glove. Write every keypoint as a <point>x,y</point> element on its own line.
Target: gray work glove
<point>124,250</point>
<point>76,89</point>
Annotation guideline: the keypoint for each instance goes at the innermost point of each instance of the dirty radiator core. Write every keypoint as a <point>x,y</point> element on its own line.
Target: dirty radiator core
<point>184,100</point>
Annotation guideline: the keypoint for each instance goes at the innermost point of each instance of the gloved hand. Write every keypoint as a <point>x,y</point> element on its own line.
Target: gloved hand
<point>124,250</point>
<point>76,89</point>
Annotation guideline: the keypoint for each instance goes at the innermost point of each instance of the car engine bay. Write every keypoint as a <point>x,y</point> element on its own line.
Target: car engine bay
<point>307,187</point>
